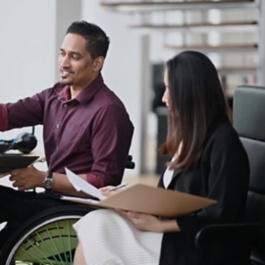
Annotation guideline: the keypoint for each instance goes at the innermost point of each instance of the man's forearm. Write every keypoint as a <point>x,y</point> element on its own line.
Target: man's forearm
<point>62,185</point>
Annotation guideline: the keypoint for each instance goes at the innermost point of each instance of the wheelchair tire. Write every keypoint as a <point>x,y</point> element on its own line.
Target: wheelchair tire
<point>45,239</point>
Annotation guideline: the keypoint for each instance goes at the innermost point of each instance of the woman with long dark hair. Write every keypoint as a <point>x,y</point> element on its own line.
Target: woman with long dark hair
<point>208,160</point>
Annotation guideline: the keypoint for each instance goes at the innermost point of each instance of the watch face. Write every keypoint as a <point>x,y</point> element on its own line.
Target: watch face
<point>48,183</point>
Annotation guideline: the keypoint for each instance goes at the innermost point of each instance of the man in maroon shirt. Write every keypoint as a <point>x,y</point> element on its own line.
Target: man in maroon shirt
<point>86,128</point>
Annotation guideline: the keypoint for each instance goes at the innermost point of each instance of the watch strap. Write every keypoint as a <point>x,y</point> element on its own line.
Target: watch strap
<point>49,175</point>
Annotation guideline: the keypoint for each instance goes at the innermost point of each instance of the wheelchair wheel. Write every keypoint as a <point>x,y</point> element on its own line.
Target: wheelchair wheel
<point>45,239</point>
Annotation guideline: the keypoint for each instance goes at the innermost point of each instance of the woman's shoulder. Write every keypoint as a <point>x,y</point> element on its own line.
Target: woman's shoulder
<point>224,137</point>
<point>224,131</point>
<point>224,142</point>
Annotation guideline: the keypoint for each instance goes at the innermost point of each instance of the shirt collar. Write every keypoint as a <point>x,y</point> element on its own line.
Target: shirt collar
<point>86,94</point>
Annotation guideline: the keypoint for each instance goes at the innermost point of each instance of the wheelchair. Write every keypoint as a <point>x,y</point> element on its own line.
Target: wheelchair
<point>47,238</point>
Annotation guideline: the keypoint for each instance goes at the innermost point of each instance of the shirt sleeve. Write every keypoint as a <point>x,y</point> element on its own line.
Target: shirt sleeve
<point>3,118</point>
<point>111,140</point>
<point>26,112</point>
<point>94,180</point>
<point>228,182</point>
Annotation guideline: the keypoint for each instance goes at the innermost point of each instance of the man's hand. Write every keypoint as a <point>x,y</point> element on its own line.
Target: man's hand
<point>27,178</point>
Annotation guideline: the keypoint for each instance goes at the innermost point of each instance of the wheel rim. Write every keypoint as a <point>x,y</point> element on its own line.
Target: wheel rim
<point>51,242</point>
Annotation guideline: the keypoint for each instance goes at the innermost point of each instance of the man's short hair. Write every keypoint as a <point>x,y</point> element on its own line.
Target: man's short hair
<point>97,40</point>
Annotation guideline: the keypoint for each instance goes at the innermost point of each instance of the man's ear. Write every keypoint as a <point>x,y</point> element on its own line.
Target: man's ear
<point>98,63</point>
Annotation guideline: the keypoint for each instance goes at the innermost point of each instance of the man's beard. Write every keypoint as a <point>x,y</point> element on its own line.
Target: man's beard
<point>65,82</point>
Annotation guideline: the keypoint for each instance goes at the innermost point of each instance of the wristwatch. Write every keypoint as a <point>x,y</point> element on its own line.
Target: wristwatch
<point>48,181</point>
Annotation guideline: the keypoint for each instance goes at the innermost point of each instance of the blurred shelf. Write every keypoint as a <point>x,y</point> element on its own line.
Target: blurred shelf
<point>241,26</point>
<point>224,48</point>
<point>137,6</point>
<point>237,70</point>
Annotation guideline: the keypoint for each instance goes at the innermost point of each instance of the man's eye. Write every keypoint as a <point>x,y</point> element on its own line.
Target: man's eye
<point>75,57</point>
<point>61,54</point>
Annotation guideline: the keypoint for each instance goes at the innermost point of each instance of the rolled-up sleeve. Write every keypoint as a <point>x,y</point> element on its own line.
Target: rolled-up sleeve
<point>94,180</point>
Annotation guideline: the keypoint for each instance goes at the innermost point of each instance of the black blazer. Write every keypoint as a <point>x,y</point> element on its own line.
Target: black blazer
<point>222,174</point>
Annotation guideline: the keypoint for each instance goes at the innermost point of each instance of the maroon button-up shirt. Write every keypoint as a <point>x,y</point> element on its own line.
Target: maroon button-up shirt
<point>90,134</point>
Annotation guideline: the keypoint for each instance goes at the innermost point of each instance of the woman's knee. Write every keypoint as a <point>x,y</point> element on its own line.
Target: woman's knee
<point>79,258</point>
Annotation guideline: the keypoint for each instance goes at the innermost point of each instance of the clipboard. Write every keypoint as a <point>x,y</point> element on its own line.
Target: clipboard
<point>145,199</point>
<point>9,162</point>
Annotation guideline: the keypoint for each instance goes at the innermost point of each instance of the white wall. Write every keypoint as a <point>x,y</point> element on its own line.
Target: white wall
<point>27,51</point>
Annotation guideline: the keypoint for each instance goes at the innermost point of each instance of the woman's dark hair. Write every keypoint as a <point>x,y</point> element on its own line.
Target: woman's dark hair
<point>198,104</point>
<point>97,40</point>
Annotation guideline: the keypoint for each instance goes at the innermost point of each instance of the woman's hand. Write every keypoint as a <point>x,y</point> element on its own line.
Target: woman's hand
<point>106,191</point>
<point>150,223</point>
<point>144,222</point>
<point>111,190</point>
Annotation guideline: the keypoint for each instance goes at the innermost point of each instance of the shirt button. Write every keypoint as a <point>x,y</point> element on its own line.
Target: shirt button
<point>65,106</point>
<point>58,126</point>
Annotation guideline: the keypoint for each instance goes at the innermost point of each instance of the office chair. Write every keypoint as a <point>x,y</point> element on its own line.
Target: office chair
<point>243,243</point>
<point>47,238</point>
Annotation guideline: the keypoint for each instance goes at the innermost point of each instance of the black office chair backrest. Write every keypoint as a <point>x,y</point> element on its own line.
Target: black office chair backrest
<point>249,121</point>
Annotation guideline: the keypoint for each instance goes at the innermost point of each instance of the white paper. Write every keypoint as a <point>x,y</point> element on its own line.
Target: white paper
<point>81,185</point>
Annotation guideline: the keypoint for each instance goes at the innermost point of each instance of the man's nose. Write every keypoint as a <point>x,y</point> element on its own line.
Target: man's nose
<point>64,61</point>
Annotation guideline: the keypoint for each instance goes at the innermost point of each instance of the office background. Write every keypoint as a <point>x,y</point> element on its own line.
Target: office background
<point>32,31</point>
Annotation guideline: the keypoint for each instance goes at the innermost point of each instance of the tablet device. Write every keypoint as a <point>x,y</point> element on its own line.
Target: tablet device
<point>9,162</point>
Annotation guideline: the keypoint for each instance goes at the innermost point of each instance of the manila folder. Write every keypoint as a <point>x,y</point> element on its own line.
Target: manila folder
<point>154,200</point>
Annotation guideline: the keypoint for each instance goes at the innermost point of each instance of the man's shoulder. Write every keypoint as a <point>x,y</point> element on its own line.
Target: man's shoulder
<point>106,97</point>
<point>53,91</point>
